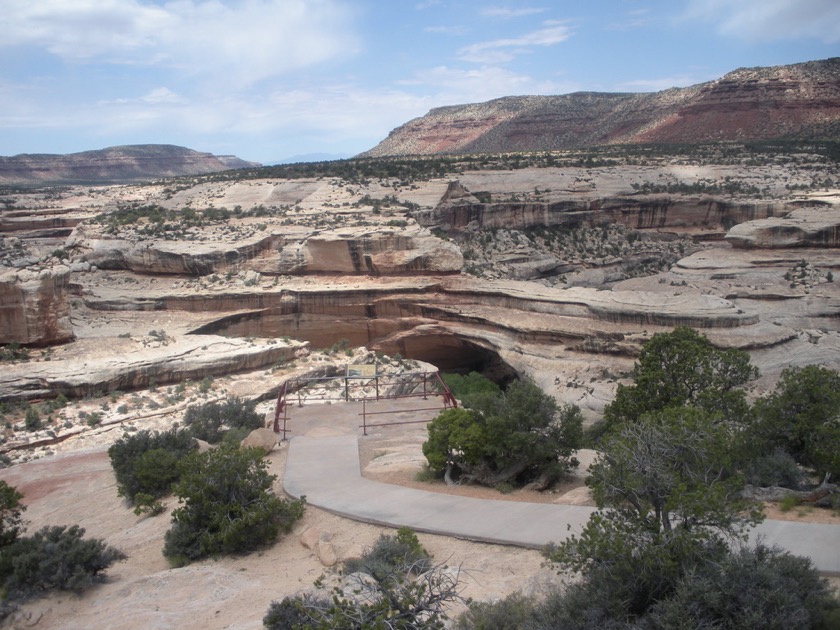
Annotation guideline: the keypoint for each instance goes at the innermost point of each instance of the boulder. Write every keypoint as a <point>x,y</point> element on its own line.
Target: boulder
<point>326,553</point>
<point>266,439</point>
<point>310,537</point>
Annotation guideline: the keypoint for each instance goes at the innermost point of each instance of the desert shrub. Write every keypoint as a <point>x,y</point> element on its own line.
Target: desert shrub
<point>11,514</point>
<point>776,468</point>
<point>145,462</point>
<point>683,368</point>
<point>210,421</point>
<point>389,554</point>
<point>759,587</point>
<point>287,614</point>
<point>236,435</point>
<point>32,419</point>
<point>147,504</point>
<point>514,612</point>
<point>397,601</point>
<point>56,557</point>
<point>227,506</point>
<point>800,416</point>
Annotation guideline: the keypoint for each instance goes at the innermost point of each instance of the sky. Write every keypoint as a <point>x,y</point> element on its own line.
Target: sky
<point>267,80</point>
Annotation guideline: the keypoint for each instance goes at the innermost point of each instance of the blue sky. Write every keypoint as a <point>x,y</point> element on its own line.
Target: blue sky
<point>269,79</point>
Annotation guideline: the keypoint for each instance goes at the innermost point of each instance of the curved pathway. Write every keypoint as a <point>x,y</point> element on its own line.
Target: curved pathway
<point>327,471</point>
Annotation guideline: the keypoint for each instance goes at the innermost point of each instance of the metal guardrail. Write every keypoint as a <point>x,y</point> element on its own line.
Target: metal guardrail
<point>432,385</point>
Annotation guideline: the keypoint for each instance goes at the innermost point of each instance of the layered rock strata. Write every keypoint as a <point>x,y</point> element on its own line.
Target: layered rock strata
<point>388,251</point>
<point>135,363</point>
<point>34,309</point>
<point>638,212</point>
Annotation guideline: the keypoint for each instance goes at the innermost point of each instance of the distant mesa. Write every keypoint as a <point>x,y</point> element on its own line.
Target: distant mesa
<point>130,163</point>
<point>800,101</point>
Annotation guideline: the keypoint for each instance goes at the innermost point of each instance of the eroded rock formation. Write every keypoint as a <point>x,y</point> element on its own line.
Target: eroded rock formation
<point>33,306</point>
<point>384,251</point>
<point>185,257</point>
<point>463,211</point>
<point>806,227</point>
<point>134,363</point>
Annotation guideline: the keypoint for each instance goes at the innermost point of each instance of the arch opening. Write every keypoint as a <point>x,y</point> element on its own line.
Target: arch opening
<point>445,349</point>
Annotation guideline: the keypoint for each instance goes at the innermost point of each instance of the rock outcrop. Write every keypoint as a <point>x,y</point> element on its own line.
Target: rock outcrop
<point>115,164</point>
<point>806,227</point>
<point>33,306</point>
<point>384,251</point>
<point>638,212</point>
<point>796,101</point>
<point>131,364</point>
<point>193,258</point>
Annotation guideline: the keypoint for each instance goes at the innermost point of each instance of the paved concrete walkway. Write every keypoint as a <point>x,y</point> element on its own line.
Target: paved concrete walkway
<point>327,471</point>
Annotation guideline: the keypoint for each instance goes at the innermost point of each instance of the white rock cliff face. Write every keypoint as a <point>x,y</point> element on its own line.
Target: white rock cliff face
<point>33,306</point>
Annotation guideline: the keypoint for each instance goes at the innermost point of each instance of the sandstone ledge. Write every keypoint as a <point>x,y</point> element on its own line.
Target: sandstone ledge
<point>126,364</point>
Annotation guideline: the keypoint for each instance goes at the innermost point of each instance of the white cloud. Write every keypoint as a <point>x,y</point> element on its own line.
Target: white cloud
<point>507,12</point>
<point>161,95</point>
<point>771,20</point>
<point>455,86</point>
<point>243,40</point>
<point>502,50</point>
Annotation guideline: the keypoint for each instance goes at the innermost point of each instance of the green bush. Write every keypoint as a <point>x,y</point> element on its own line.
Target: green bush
<point>776,468</point>
<point>800,416</point>
<point>515,438</point>
<point>398,601</point>
<point>759,587</point>
<point>11,514</point>
<point>54,558</point>
<point>32,419</point>
<point>227,506</point>
<point>511,613</point>
<point>402,553</point>
<point>287,614</point>
<point>210,421</point>
<point>145,462</point>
